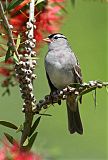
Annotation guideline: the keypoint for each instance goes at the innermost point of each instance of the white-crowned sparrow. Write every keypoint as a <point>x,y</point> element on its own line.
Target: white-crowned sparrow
<point>62,69</point>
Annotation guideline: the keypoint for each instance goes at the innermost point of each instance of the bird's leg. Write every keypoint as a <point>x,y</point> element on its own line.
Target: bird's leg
<point>54,97</point>
<point>51,96</point>
<point>59,101</point>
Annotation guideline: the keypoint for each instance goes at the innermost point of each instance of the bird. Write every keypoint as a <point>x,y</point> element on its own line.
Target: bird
<point>62,69</point>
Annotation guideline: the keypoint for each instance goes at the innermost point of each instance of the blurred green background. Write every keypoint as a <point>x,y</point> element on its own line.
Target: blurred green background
<point>85,26</point>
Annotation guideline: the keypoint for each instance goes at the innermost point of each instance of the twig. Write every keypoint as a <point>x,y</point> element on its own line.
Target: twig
<point>8,29</point>
<point>79,91</point>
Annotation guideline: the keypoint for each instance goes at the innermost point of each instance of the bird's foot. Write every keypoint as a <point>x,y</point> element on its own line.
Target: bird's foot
<point>54,97</point>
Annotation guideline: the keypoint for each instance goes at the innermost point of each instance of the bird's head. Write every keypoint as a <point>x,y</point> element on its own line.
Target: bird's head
<point>56,40</point>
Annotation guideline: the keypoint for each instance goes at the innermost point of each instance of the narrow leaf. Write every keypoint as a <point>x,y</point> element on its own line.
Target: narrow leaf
<point>18,41</point>
<point>25,144</point>
<point>19,129</point>
<point>32,139</point>
<point>45,114</point>
<point>16,60</point>
<point>40,4</point>
<point>13,4</point>
<point>34,126</point>
<point>95,98</point>
<point>39,1</point>
<point>9,138</point>
<point>8,124</point>
<point>8,54</point>
<point>7,91</point>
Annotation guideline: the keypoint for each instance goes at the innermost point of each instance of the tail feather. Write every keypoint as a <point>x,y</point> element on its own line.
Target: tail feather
<point>74,121</point>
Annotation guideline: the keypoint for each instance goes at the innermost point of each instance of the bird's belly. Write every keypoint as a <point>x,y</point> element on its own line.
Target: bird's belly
<point>59,76</point>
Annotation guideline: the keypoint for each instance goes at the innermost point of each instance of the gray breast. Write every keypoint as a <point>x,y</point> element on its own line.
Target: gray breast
<point>59,68</point>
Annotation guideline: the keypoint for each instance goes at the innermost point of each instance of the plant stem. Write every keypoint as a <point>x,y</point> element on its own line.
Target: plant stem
<point>8,29</point>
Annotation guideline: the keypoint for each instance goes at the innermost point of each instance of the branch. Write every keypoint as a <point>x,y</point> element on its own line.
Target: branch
<point>29,66</point>
<point>8,29</point>
<point>78,91</point>
<point>25,74</point>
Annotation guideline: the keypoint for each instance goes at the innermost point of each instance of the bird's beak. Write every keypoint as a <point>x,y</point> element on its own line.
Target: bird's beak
<point>47,40</point>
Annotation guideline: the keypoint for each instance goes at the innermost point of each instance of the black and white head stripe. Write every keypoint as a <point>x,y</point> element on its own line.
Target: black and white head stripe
<point>56,36</point>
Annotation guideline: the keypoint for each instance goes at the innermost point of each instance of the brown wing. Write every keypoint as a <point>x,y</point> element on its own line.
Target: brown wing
<point>78,76</point>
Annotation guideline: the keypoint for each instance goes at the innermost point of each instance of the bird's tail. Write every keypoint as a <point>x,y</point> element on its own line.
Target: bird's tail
<point>74,120</point>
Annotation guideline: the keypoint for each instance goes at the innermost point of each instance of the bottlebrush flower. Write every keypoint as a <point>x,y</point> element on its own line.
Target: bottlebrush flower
<point>13,152</point>
<point>47,21</point>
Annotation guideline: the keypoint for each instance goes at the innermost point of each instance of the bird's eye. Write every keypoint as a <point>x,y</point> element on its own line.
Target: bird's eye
<point>55,37</point>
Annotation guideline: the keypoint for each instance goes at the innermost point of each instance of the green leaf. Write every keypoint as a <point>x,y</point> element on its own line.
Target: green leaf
<point>9,138</point>
<point>14,3</point>
<point>18,41</point>
<point>39,1</point>
<point>19,129</point>
<point>7,91</point>
<point>2,58</point>
<point>8,124</point>
<point>95,102</point>
<point>25,144</point>
<point>15,58</point>
<point>40,4</point>
<point>34,126</point>
<point>31,140</point>
<point>45,114</point>
<point>8,54</point>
